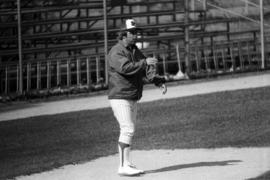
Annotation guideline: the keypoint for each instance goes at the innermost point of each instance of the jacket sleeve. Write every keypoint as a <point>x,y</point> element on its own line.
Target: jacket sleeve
<point>153,77</point>
<point>121,63</point>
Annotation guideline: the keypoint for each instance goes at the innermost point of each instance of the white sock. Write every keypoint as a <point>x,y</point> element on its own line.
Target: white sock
<point>124,153</point>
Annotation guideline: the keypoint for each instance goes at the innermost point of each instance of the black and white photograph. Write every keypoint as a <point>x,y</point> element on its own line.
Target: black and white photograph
<point>134,89</point>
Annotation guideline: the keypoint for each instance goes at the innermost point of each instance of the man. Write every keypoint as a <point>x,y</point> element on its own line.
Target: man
<point>128,70</point>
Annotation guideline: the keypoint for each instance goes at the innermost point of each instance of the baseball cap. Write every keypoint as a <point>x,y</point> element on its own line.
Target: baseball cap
<point>130,25</point>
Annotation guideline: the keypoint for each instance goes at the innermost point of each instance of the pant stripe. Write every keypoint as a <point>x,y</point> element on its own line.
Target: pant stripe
<point>125,111</point>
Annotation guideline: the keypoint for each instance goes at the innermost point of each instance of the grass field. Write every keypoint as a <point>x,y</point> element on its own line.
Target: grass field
<point>238,118</point>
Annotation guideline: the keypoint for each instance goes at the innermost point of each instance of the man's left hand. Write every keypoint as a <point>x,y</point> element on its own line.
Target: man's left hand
<point>163,87</point>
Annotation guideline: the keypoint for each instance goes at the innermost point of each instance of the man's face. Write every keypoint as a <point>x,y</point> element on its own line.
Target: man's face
<point>131,37</point>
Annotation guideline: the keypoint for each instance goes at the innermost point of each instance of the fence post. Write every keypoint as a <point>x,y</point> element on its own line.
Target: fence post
<point>19,15</point>
<point>68,72</point>
<point>78,72</point>
<point>240,55</point>
<point>223,59</point>
<point>228,33</point>
<point>97,68</point>
<point>6,79</point>
<point>262,34</point>
<point>164,63</point>
<point>38,75</point>
<point>105,40</point>
<point>206,62</point>
<point>28,76</point>
<point>254,41</point>
<point>178,57</point>
<point>18,78</point>
<point>48,75</point>
<point>198,64</point>
<point>58,72</point>
<point>88,71</point>
<point>248,53</point>
<point>215,59</point>
<point>187,47</point>
<point>232,57</point>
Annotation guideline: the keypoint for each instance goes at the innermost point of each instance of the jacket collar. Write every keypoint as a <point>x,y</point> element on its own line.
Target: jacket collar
<point>130,47</point>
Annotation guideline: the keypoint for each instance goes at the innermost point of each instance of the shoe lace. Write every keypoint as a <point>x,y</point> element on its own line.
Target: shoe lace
<point>131,165</point>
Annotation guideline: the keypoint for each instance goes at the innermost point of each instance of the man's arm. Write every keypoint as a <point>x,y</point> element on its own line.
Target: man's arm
<point>153,77</point>
<point>123,64</point>
<point>120,62</point>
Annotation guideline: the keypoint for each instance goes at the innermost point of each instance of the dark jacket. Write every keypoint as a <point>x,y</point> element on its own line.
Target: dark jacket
<point>128,71</point>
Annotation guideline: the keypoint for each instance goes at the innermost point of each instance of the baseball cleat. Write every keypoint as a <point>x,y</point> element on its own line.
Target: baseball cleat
<point>133,166</point>
<point>129,171</point>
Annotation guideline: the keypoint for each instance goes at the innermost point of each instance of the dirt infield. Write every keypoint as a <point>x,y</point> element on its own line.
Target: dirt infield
<point>187,164</point>
<point>199,164</point>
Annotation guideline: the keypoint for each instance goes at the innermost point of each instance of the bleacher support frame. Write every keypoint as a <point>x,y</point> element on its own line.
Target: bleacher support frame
<point>63,44</point>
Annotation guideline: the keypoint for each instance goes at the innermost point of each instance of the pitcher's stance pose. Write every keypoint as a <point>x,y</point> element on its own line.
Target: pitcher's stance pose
<point>129,69</point>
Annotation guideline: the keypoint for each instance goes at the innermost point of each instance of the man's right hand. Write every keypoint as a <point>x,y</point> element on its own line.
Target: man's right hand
<point>151,61</point>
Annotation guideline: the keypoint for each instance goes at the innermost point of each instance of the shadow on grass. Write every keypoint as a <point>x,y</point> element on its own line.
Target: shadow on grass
<point>264,176</point>
<point>193,165</point>
<point>13,106</point>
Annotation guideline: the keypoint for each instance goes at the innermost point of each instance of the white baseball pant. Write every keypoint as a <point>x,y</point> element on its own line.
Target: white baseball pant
<point>125,111</point>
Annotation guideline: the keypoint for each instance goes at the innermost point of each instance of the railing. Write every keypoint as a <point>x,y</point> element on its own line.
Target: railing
<point>43,71</point>
<point>88,72</point>
<point>84,71</point>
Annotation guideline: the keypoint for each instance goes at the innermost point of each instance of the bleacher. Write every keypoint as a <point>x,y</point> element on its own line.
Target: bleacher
<point>63,42</point>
